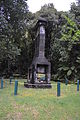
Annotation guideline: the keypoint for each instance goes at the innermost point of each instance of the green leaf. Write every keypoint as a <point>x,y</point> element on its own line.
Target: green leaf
<point>65,68</point>
<point>75,71</point>
<point>69,73</point>
<point>78,61</point>
<point>78,58</point>
<point>73,67</point>
<point>61,68</point>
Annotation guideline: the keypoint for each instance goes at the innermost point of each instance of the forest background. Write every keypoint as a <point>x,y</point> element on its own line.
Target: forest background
<point>17,39</point>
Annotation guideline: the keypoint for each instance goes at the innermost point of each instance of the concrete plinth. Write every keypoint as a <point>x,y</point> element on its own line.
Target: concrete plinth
<point>38,85</point>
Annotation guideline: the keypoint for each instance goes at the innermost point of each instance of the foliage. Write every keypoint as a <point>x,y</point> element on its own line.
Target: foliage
<point>13,19</point>
<point>70,37</point>
<point>17,38</point>
<point>70,31</point>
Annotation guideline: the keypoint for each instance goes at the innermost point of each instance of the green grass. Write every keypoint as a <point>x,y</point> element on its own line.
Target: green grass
<point>39,104</point>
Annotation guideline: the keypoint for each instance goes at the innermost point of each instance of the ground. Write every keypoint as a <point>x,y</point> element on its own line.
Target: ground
<point>39,104</point>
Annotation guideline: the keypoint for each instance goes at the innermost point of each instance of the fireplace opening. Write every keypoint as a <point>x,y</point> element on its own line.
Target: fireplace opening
<point>42,73</point>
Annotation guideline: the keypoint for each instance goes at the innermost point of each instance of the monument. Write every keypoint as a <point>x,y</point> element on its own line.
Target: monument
<point>39,71</point>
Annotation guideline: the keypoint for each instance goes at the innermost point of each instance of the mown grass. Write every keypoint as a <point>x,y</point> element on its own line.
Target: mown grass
<point>39,104</point>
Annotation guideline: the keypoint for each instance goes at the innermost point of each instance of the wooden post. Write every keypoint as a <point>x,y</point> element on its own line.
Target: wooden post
<point>10,80</point>
<point>16,87</point>
<point>58,89</point>
<point>77,85</point>
<point>2,83</point>
<point>66,81</point>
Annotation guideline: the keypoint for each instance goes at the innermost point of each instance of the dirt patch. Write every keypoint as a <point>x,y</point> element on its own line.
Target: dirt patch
<point>14,116</point>
<point>35,114</point>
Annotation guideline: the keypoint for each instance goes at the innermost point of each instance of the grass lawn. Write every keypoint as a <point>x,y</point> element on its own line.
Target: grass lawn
<point>39,104</point>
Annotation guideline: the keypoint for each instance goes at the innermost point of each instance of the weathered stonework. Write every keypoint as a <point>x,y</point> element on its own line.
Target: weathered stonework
<point>39,72</point>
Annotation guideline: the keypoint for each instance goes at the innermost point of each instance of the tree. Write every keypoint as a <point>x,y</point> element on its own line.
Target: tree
<point>71,38</point>
<point>13,19</point>
<point>75,10</point>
